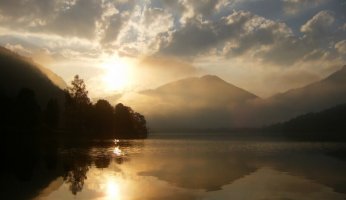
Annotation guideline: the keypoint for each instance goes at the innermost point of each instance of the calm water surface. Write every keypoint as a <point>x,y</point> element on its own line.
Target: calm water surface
<point>194,168</point>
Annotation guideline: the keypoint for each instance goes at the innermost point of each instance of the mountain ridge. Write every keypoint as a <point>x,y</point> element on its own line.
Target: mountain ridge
<point>207,87</point>
<point>313,97</point>
<point>17,72</point>
<point>190,103</point>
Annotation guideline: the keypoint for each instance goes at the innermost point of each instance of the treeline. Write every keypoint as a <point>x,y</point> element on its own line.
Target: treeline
<point>329,124</point>
<point>77,117</point>
<point>101,118</point>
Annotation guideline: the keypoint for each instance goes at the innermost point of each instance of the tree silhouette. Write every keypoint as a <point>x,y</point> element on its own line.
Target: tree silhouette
<point>129,124</point>
<point>103,116</point>
<point>123,121</point>
<point>140,125</point>
<point>77,105</point>
<point>78,92</point>
<point>52,114</point>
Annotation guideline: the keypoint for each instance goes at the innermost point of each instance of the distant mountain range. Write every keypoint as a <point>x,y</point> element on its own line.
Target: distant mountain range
<point>17,72</point>
<point>314,97</point>
<point>191,104</point>
<point>210,103</point>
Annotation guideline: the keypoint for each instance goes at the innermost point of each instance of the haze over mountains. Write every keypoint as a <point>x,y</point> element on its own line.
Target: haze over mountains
<point>314,97</point>
<point>191,104</point>
<point>210,103</point>
<point>188,103</point>
<point>17,72</point>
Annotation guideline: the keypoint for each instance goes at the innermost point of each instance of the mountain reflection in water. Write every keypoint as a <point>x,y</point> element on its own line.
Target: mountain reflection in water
<point>179,169</point>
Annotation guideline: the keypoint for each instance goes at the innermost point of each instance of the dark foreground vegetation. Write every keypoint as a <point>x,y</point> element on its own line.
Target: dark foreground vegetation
<point>32,137</point>
<point>48,133</point>
<point>78,118</point>
<point>100,120</point>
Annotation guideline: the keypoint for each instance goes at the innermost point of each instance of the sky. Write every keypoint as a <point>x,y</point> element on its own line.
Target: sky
<point>263,46</point>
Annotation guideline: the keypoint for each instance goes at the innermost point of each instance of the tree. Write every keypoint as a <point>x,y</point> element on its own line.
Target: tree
<point>123,120</point>
<point>129,124</point>
<point>78,92</point>
<point>103,115</point>
<point>140,125</point>
<point>77,105</point>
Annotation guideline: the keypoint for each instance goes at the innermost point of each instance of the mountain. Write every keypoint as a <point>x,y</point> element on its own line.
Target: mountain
<point>190,104</point>
<point>328,124</point>
<point>204,91</point>
<point>314,97</point>
<point>17,72</point>
<point>210,103</point>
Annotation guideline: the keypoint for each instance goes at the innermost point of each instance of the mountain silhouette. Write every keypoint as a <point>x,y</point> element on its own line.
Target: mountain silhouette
<point>17,72</point>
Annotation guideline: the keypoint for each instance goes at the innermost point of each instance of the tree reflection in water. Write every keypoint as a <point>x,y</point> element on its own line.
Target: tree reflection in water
<point>76,165</point>
<point>77,162</point>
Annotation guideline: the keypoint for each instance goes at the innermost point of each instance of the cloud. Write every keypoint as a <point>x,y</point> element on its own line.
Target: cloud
<point>341,47</point>
<point>78,20</point>
<point>18,48</point>
<point>186,10</point>
<point>320,25</point>
<point>232,35</point>
<point>147,29</point>
<point>24,11</point>
<point>244,34</point>
<point>191,40</point>
<point>293,7</point>
<point>113,29</point>
<point>254,34</point>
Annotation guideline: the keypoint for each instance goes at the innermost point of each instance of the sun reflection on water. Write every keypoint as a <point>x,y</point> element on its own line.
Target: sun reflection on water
<point>117,151</point>
<point>113,190</point>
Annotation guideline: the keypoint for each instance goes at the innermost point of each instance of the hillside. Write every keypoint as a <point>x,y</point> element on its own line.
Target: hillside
<point>327,124</point>
<point>18,72</point>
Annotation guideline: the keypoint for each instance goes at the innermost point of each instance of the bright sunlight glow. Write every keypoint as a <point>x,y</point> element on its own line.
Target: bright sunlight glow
<point>117,151</point>
<point>118,74</point>
<point>113,190</point>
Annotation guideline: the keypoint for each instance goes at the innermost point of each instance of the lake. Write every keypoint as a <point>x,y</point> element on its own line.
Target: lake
<point>183,168</point>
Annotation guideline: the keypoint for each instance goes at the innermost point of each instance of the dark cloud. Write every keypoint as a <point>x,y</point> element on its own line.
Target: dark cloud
<point>26,10</point>
<point>114,28</point>
<point>293,7</point>
<point>205,7</point>
<point>245,34</point>
<point>233,35</point>
<point>79,20</point>
<point>191,40</point>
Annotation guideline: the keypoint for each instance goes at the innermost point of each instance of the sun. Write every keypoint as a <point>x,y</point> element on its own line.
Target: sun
<point>118,74</point>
